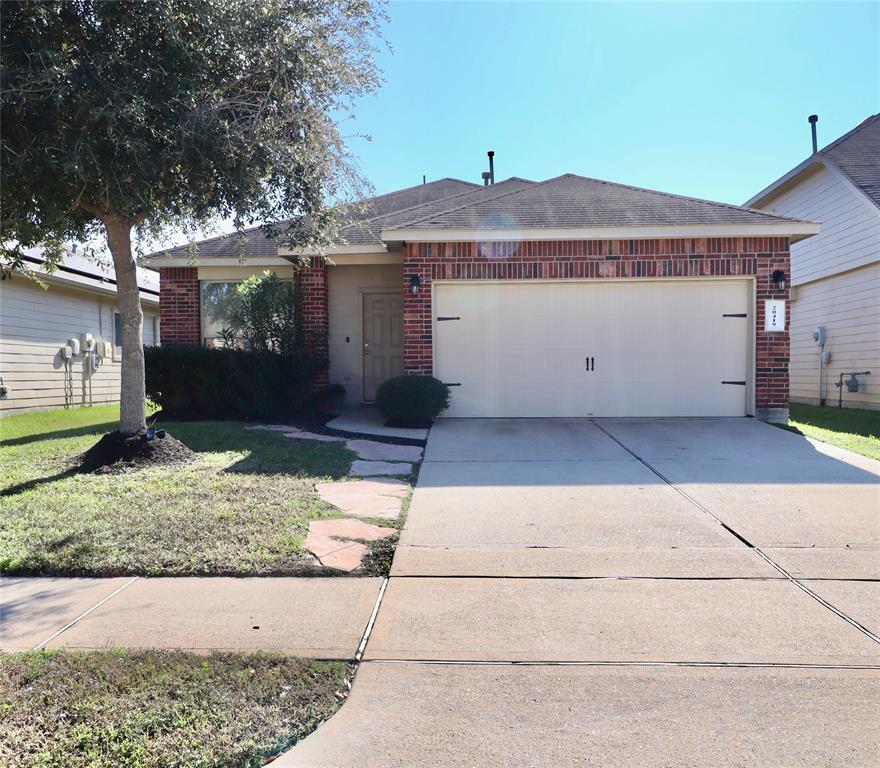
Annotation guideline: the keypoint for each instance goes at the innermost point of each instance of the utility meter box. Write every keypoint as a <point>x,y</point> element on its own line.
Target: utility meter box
<point>74,346</point>
<point>88,341</point>
<point>66,352</point>
<point>106,349</point>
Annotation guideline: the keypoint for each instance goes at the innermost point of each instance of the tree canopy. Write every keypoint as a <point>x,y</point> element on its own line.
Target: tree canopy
<point>177,112</point>
<point>122,114</point>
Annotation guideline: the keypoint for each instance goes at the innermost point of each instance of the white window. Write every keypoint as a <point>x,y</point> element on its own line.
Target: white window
<point>218,303</point>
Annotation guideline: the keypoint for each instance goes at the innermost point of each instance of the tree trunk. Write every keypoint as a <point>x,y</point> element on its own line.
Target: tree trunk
<point>128,300</point>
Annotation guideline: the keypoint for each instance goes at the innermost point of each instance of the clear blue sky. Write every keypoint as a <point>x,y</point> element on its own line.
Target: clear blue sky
<point>703,99</point>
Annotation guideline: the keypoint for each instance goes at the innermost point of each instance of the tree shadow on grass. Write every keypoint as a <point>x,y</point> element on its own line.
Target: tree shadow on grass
<point>29,485</point>
<point>59,434</point>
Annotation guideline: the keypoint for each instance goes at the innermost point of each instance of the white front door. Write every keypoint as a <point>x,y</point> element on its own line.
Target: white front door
<point>601,348</point>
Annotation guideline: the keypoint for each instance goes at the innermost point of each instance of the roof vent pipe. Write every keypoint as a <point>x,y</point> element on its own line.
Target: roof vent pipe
<point>486,177</point>
<point>813,120</point>
<point>491,166</point>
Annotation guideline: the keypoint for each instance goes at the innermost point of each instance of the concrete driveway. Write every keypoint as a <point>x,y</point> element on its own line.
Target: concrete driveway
<point>652,592</point>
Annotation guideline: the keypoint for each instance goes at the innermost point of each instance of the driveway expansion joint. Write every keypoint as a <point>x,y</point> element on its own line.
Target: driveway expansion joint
<point>857,625</point>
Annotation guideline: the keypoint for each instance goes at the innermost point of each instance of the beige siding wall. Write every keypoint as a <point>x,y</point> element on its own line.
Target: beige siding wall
<point>347,285</point>
<point>34,324</point>
<point>848,305</point>
<point>850,234</point>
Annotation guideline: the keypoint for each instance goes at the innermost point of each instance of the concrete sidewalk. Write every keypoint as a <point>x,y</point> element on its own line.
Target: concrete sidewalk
<point>318,617</point>
<point>651,592</point>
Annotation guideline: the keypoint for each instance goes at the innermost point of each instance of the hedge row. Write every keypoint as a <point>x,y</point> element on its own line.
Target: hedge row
<point>200,383</point>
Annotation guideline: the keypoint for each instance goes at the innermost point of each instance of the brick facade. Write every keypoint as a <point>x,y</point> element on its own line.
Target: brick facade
<point>314,310</point>
<point>637,259</point>
<point>180,306</point>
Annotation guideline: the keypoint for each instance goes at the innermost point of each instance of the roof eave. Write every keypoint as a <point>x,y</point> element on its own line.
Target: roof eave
<point>796,230</point>
<point>784,182</point>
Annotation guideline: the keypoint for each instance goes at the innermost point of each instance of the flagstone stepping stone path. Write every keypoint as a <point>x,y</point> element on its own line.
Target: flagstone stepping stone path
<point>378,497</point>
<point>369,450</point>
<point>338,543</point>
<point>333,541</point>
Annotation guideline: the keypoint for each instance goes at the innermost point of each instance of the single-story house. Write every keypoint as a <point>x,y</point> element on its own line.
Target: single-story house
<point>60,343</point>
<point>835,276</point>
<point>566,297</point>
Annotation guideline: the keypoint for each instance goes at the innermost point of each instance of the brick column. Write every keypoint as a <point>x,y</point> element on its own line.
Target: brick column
<point>418,353</point>
<point>180,306</point>
<point>772,349</point>
<point>314,312</point>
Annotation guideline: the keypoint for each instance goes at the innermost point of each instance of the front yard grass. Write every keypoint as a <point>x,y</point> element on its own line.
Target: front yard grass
<point>855,429</point>
<point>241,508</point>
<point>157,709</point>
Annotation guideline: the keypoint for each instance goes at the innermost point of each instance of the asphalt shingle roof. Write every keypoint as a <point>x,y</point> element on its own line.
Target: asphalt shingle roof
<point>857,155</point>
<point>572,201</point>
<point>566,202</point>
<point>369,230</point>
<point>257,245</point>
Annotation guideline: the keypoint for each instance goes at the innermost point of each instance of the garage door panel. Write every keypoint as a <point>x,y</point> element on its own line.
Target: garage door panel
<point>657,348</point>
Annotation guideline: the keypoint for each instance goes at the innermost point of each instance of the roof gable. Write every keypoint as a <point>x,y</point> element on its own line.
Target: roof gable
<point>856,155</point>
<point>572,201</point>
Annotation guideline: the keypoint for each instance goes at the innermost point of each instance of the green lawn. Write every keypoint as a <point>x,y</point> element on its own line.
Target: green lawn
<point>851,428</point>
<point>160,709</point>
<point>241,508</point>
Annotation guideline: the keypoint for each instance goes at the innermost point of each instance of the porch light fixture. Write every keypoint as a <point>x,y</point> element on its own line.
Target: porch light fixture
<point>415,283</point>
<point>779,279</point>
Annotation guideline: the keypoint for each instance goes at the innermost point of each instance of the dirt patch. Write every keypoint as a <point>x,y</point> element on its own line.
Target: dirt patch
<point>116,454</point>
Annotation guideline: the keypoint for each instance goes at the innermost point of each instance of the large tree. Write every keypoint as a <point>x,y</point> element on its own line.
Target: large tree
<point>123,115</point>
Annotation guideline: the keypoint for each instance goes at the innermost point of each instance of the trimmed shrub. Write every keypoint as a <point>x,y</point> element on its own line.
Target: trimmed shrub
<point>200,383</point>
<point>413,400</point>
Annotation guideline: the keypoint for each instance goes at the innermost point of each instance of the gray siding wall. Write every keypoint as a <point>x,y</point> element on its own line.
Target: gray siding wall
<point>34,325</point>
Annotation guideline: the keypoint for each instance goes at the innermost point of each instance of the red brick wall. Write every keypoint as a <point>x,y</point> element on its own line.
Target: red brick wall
<point>179,306</point>
<point>637,259</point>
<point>314,312</point>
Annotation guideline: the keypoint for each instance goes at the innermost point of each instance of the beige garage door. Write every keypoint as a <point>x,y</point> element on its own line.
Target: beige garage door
<point>648,348</point>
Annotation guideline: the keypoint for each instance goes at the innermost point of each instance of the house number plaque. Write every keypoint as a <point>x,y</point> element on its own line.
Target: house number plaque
<point>774,315</point>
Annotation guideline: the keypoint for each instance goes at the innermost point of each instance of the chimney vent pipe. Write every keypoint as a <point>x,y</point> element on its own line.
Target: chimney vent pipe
<point>491,166</point>
<point>813,120</point>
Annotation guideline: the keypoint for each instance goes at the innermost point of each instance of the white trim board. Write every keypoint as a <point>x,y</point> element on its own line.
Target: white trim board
<point>796,230</point>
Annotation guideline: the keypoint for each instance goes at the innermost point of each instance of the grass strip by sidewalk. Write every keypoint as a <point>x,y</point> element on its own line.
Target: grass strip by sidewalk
<point>155,709</point>
<point>855,429</point>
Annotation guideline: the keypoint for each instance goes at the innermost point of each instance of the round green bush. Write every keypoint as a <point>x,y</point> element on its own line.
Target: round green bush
<point>415,400</point>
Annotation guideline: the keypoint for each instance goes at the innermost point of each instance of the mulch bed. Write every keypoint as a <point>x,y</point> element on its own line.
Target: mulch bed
<point>116,454</point>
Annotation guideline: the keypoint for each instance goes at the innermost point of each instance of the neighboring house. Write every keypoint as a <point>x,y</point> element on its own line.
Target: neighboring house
<point>36,324</point>
<point>568,297</point>
<point>835,275</point>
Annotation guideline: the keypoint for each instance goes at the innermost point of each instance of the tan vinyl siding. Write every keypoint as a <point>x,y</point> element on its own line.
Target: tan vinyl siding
<point>346,287</point>
<point>850,234</point>
<point>848,305</point>
<point>35,323</point>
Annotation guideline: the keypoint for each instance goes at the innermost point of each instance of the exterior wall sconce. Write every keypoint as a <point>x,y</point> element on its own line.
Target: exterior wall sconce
<point>415,282</point>
<point>779,279</point>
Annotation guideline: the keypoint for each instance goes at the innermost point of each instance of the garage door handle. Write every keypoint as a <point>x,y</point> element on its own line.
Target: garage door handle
<point>453,384</point>
<point>735,314</point>
<point>448,318</point>
<point>738,383</point>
